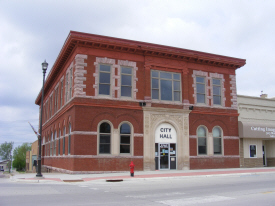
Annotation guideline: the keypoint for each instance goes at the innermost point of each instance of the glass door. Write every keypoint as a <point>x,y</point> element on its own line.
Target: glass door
<point>164,156</point>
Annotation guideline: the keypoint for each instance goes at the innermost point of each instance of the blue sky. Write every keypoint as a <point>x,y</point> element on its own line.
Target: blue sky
<point>32,31</point>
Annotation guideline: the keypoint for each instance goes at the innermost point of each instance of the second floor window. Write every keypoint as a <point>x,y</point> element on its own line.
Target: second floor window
<point>165,86</point>
<point>126,82</point>
<point>216,91</point>
<point>61,94</point>
<point>104,79</point>
<point>200,85</point>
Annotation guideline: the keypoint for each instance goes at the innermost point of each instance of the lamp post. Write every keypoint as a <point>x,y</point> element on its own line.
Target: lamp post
<point>44,68</point>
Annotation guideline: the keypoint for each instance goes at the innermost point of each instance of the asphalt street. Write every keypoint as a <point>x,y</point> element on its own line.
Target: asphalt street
<point>242,189</point>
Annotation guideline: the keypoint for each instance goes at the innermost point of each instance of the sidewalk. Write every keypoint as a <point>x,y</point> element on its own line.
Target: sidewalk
<point>119,176</point>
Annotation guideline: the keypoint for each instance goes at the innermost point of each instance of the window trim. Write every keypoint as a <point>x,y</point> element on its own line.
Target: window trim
<point>206,138</point>
<point>159,86</point>
<point>54,150</point>
<point>205,90</point>
<point>111,79</point>
<point>59,141</point>
<point>64,144</point>
<point>69,139</point>
<point>111,137</point>
<point>255,150</point>
<point>222,147</point>
<point>131,137</point>
<point>120,82</point>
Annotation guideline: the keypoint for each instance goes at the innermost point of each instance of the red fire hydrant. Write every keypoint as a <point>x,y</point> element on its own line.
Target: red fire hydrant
<point>132,166</point>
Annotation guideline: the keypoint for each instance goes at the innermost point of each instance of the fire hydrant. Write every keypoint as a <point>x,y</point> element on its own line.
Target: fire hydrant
<point>132,166</point>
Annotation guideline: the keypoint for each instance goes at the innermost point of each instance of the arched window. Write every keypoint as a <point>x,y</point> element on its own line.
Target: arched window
<point>64,133</point>
<point>125,138</point>
<point>59,142</point>
<point>55,135</point>
<point>217,140</point>
<point>51,144</point>
<point>69,140</point>
<point>104,138</point>
<point>202,141</point>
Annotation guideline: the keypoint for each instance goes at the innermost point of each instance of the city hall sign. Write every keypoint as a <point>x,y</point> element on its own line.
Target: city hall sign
<point>165,133</point>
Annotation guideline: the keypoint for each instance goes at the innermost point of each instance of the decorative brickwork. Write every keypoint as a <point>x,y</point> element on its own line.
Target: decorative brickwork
<point>79,75</point>
<point>233,93</point>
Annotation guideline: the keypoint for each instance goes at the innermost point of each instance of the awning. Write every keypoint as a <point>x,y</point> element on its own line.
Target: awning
<point>256,130</point>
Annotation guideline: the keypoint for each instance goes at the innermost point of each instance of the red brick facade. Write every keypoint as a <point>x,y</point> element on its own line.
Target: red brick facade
<point>72,101</point>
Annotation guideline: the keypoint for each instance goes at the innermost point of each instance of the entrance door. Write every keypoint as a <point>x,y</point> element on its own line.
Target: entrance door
<point>164,156</point>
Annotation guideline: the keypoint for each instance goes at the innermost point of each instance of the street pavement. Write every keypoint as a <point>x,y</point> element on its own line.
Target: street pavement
<point>125,176</point>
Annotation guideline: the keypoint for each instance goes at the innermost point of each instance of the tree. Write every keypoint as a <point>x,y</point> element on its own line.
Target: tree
<point>5,152</point>
<point>19,156</point>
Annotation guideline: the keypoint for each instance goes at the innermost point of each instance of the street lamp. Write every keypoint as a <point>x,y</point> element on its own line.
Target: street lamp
<point>44,68</point>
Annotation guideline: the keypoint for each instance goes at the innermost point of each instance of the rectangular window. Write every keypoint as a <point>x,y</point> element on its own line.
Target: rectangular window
<point>253,151</point>
<point>217,145</point>
<point>165,86</point>
<point>61,94</point>
<point>200,85</point>
<point>216,91</point>
<point>104,79</point>
<point>105,144</point>
<point>202,146</point>
<point>50,107</point>
<point>126,82</point>
<point>125,143</point>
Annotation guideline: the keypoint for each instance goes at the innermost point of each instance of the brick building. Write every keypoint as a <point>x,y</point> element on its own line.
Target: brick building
<point>110,101</point>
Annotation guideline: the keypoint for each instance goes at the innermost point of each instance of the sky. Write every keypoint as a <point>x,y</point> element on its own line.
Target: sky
<point>32,31</point>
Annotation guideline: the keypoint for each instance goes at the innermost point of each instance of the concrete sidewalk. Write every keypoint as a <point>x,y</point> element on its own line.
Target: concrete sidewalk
<point>119,176</point>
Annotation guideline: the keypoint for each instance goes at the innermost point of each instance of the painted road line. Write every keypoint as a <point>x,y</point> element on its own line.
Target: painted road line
<point>195,200</point>
<point>155,195</point>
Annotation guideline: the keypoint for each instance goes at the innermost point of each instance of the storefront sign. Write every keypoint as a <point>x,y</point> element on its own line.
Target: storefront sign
<point>165,133</point>
<point>256,130</point>
<point>268,131</point>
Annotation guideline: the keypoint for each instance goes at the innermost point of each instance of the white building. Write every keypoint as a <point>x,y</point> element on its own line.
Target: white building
<point>256,131</point>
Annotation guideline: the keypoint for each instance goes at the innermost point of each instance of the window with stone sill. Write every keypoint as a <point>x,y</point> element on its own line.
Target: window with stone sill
<point>55,136</point>
<point>202,140</point>
<point>126,82</point>
<point>69,140</point>
<point>216,83</point>
<point>104,87</point>
<point>59,142</point>
<point>201,89</point>
<point>61,94</point>
<point>104,138</point>
<point>64,133</point>
<point>125,139</point>
<point>217,140</point>
<point>165,86</point>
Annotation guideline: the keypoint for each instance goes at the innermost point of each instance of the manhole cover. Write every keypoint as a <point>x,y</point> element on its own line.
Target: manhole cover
<point>115,180</point>
<point>72,180</point>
